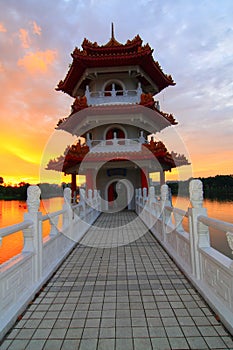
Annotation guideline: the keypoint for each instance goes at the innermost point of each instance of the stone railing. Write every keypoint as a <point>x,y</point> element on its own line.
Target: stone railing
<point>122,144</point>
<point>210,271</point>
<point>22,276</point>
<point>113,96</point>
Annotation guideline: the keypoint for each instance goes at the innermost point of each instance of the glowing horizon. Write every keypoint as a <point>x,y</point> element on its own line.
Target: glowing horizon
<point>195,48</point>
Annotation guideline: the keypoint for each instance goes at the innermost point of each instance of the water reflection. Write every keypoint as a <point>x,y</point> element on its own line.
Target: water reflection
<point>12,212</point>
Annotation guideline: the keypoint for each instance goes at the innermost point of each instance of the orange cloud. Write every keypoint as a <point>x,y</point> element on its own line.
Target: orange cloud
<point>38,61</point>
<point>1,67</point>
<point>2,28</point>
<point>36,28</point>
<point>24,38</point>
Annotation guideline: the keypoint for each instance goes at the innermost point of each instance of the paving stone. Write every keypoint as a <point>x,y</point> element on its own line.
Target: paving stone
<point>110,296</point>
<point>160,343</point>
<point>124,343</point>
<point>36,344</point>
<point>179,343</point>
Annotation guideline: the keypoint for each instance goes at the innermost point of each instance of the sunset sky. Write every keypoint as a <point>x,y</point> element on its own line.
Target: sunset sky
<point>192,40</point>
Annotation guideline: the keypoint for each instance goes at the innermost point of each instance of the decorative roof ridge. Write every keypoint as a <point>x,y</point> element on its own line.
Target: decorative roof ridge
<point>89,46</point>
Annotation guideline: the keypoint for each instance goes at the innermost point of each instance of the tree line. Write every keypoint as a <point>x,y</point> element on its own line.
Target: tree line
<point>19,192</point>
<point>219,187</point>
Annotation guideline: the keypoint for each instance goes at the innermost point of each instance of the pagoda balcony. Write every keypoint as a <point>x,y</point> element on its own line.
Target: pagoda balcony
<point>114,145</point>
<point>113,96</point>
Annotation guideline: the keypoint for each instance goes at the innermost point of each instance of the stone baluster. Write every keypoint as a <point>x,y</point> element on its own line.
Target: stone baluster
<point>165,213</point>
<point>113,91</point>
<point>139,91</point>
<point>141,138</point>
<point>144,191</point>
<point>199,233</point>
<point>151,199</point>
<point>88,141</point>
<point>87,94</point>
<point>115,141</point>
<point>67,225</point>
<point>33,234</point>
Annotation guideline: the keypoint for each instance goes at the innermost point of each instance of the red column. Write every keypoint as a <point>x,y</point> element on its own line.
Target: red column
<point>144,178</point>
<point>73,187</point>
<point>162,177</point>
<point>111,193</point>
<point>89,179</point>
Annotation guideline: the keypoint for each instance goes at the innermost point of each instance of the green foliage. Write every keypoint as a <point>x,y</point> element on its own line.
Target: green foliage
<point>14,192</point>
<point>219,187</point>
<point>19,192</point>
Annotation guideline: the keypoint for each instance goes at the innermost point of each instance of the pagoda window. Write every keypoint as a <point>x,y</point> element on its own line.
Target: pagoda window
<point>113,87</point>
<point>115,132</point>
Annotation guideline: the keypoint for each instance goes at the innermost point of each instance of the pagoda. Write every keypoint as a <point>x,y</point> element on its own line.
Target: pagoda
<point>114,115</point>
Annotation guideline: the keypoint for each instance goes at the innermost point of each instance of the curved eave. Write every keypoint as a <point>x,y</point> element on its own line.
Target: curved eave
<point>145,118</point>
<point>144,59</point>
<point>71,162</point>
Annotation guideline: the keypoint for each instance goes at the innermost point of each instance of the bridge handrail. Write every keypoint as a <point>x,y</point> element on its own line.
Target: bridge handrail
<point>218,224</point>
<point>52,215</point>
<point>6,231</point>
<point>23,275</point>
<point>210,271</point>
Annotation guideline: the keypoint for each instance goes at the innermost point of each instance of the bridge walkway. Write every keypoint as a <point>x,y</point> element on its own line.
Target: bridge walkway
<point>118,289</point>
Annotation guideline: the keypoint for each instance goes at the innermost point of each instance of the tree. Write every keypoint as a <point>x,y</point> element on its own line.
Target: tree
<point>1,180</point>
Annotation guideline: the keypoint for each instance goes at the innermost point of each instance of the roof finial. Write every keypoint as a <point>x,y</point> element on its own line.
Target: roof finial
<point>113,37</point>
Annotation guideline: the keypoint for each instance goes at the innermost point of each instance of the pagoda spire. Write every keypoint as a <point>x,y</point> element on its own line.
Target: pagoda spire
<point>113,36</point>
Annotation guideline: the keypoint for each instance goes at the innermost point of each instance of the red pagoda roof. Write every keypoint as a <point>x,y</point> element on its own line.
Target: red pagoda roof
<point>113,54</point>
<point>76,153</point>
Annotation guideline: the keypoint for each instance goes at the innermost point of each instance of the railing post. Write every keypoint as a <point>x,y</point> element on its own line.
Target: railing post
<point>33,235</point>
<point>151,198</point>
<point>165,214</point>
<point>67,224</point>
<point>199,233</point>
<point>136,200</point>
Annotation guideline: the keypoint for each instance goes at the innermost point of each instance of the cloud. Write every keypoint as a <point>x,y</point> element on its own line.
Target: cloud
<point>24,38</point>
<point>36,28</point>
<point>2,28</point>
<point>191,40</point>
<point>39,61</point>
<point>1,67</point>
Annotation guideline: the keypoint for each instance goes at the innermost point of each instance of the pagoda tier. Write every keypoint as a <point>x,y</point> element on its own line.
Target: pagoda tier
<point>152,151</point>
<point>79,122</point>
<point>135,57</point>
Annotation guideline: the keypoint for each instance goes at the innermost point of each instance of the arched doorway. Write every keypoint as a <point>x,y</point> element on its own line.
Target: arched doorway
<point>119,133</point>
<point>119,195</point>
<point>114,85</point>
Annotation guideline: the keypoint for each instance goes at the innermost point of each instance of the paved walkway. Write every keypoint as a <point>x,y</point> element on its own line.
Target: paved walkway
<point>118,298</point>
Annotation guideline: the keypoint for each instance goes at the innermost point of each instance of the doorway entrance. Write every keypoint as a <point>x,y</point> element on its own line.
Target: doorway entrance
<point>119,195</point>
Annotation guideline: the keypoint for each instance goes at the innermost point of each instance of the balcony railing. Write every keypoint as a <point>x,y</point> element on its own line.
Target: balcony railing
<point>113,96</point>
<point>116,144</point>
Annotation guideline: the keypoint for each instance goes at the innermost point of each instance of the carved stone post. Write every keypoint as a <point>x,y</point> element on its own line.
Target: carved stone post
<point>151,198</point>
<point>165,214</point>
<point>136,200</point>
<point>67,224</point>
<point>33,235</point>
<point>199,233</point>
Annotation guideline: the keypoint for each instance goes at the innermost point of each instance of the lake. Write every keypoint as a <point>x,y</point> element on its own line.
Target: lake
<point>12,212</point>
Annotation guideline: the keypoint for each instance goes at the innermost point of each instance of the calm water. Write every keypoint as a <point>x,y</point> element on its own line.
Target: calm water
<point>12,212</point>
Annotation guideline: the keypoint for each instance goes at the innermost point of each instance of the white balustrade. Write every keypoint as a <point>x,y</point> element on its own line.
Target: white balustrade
<point>210,271</point>
<point>113,96</point>
<point>121,145</point>
<point>22,276</point>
